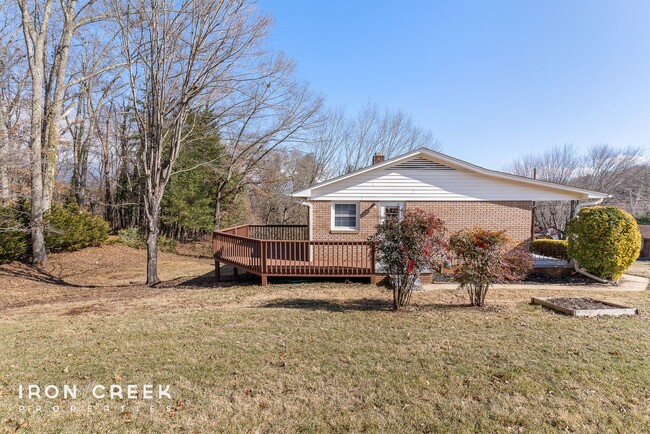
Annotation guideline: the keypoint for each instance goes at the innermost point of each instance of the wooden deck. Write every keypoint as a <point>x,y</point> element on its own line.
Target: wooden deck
<point>284,250</point>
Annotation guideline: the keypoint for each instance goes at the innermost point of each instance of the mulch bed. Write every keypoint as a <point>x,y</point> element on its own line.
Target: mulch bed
<point>576,279</point>
<point>580,303</point>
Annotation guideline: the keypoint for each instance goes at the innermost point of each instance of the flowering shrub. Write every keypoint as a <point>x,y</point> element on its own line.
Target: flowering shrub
<point>481,261</point>
<point>517,265</point>
<point>405,247</point>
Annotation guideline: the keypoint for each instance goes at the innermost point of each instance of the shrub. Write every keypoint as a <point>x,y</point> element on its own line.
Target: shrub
<point>112,239</point>
<point>644,220</point>
<point>66,228</point>
<point>134,237</point>
<point>14,234</point>
<point>481,261</point>
<point>551,248</point>
<point>517,265</point>
<point>69,228</point>
<point>604,240</point>
<point>405,247</point>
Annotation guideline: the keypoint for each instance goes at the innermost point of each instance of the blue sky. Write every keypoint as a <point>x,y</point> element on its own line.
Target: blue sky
<point>491,79</point>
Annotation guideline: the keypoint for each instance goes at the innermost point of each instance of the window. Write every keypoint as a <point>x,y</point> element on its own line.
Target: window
<point>344,216</point>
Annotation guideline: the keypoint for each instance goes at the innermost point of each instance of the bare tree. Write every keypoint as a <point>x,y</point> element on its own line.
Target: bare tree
<point>13,80</point>
<point>180,56</point>
<point>89,99</point>
<point>282,172</point>
<point>348,143</point>
<point>48,29</point>
<point>264,115</point>
<point>601,168</point>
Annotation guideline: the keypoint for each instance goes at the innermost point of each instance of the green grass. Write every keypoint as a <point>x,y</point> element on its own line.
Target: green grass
<point>325,357</point>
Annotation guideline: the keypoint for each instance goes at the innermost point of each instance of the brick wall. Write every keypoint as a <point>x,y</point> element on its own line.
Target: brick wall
<point>322,221</point>
<point>514,217</point>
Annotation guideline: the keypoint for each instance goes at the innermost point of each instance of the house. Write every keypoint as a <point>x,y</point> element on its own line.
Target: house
<point>344,211</point>
<point>645,236</point>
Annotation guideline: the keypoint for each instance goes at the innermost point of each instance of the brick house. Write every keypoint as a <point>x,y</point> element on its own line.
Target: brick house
<point>645,237</point>
<point>349,207</point>
<point>344,212</point>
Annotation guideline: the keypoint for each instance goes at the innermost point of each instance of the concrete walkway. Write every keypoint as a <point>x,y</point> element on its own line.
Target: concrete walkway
<point>628,283</point>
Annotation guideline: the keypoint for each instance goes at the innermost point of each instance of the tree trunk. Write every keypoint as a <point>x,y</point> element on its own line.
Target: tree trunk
<point>217,209</point>
<point>108,197</point>
<point>152,253</point>
<point>5,193</point>
<point>152,207</point>
<point>50,151</point>
<point>38,237</point>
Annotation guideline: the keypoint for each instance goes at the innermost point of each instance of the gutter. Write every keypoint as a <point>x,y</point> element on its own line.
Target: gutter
<point>310,217</point>
<point>594,203</point>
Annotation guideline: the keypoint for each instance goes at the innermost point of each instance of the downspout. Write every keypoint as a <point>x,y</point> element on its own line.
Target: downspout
<point>310,226</point>
<point>579,206</point>
<point>310,217</point>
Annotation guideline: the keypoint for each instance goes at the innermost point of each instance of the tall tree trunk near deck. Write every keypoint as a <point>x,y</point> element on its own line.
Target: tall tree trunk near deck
<point>217,210</point>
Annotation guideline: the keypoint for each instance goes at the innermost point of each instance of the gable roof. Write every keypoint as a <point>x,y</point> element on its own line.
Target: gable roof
<point>414,160</point>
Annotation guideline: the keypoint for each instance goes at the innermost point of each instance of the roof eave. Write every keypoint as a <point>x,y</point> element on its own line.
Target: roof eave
<point>307,193</point>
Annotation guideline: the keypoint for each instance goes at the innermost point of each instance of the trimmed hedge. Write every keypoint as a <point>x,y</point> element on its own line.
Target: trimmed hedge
<point>551,248</point>
<point>604,240</point>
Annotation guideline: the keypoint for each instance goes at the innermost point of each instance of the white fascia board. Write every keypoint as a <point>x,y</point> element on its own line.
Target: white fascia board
<point>585,194</point>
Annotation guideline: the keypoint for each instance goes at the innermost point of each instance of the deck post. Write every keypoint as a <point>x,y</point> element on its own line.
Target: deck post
<point>235,272</point>
<point>374,278</point>
<point>217,271</point>
<point>265,280</point>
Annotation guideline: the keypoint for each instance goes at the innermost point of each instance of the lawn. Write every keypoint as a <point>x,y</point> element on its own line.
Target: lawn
<point>308,357</point>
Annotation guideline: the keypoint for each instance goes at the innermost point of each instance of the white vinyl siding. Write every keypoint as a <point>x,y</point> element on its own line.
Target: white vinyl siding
<point>345,216</point>
<point>434,185</point>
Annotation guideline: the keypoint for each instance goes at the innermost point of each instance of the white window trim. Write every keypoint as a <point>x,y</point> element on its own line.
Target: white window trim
<point>337,228</point>
<point>383,205</point>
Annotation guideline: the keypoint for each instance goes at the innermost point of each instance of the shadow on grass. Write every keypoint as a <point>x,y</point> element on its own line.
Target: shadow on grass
<point>35,274</point>
<point>207,281</point>
<point>362,304</point>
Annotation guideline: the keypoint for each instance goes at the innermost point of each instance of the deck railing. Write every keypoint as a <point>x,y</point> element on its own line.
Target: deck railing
<point>262,250</point>
<point>279,232</point>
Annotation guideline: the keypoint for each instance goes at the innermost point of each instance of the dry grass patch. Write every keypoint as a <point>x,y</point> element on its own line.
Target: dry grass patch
<point>640,268</point>
<point>327,357</point>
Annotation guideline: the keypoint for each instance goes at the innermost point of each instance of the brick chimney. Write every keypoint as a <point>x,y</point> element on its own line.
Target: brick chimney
<point>378,158</point>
